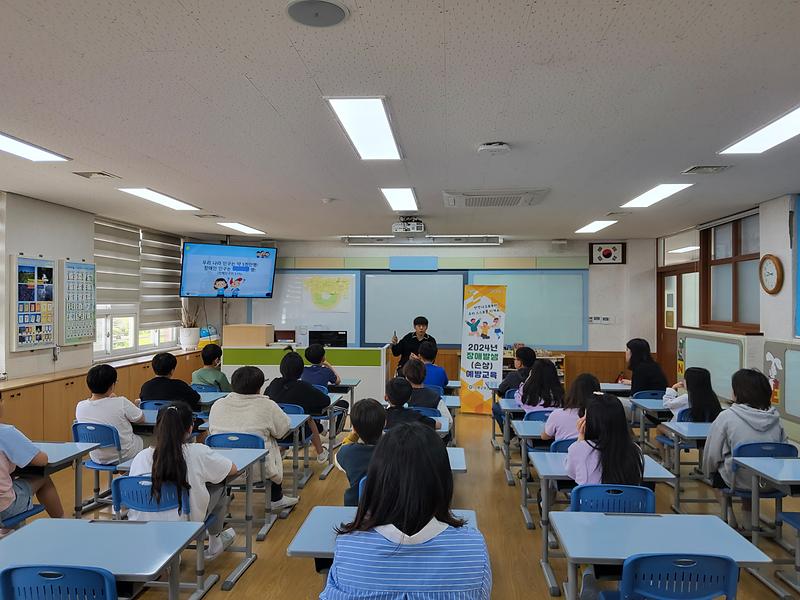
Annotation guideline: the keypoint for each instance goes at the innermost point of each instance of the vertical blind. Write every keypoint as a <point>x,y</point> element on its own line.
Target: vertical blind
<point>116,256</point>
<point>160,279</point>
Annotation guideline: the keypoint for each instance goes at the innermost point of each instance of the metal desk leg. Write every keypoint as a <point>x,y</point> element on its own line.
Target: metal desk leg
<point>269,518</point>
<point>175,577</point>
<point>249,556</point>
<point>676,504</point>
<point>507,446</point>
<point>78,504</point>
<point>549,576</point>
<point>493,440</point>
<point>296,462</point>
<point>523,484</point>
<point>641,430</point>
<point>307,472</point>
<point>331,441</point>
<point>203,584</point>
<point>572,581</point>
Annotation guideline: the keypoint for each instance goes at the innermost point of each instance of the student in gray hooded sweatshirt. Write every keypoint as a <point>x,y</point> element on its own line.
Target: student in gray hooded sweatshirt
<point>751,418</point>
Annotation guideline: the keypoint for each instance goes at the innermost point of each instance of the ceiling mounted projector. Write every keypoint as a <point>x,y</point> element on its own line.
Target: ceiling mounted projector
<point>318,13</point>
<point>493,148</point>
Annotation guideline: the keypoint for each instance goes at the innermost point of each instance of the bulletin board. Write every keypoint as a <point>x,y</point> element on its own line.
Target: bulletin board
<point>33,320</point>
<point>78,303</point>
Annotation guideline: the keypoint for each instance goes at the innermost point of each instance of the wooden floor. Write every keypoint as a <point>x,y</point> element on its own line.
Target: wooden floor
<point>514,550</point>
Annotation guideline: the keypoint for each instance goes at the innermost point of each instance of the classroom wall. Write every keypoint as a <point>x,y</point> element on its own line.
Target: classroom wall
<point>34,227</point>
<point>777,312</point>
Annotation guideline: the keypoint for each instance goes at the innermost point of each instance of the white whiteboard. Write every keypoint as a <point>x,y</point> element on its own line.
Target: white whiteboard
<point>320,301</point>
<point>791,391</point>
<point>391,301</point>
<point>722,358</point>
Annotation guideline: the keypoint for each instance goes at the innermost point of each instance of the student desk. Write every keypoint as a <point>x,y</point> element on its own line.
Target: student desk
<point>509,406</point>
<point>551,466</point>
<point>61,455</point>
<point>647,406</point>
<point>601,538</point>
<point>681,433</point>
<point>493,440</point>
<point>526,430</point>
<point>349,385</point>
<point>299,481</point>
<point>330,411</point>
<point>133,551</point>
<point>618,389</point>
<point>316,537</point>
<point>458,460</point>
<point>208,398</point>
<point>453,385</point>
<point>453,404</point>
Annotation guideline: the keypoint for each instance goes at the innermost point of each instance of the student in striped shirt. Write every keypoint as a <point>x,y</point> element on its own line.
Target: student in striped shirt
<point>404,542</point>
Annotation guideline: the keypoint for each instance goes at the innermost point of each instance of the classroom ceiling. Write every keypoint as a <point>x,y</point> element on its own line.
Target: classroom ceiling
<point>221,105</point>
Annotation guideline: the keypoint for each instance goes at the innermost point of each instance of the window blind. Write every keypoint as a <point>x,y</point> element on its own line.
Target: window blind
<point>116,256</point>
<point>160,276</point>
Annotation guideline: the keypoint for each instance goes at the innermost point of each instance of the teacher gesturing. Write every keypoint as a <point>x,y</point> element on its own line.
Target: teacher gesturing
<point>409,345</point>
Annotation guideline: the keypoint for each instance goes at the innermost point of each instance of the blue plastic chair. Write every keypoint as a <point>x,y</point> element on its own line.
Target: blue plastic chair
<point>439,389</point>
<point>154,404</point>
<point>537,415</point>
<point>677,577</point>
<point>509,395</point>
<point>612,499</point>
<point>362,484</point>
<point>562,446</point>
<point>201,388</point>
<point>684,416</point>
<point>235,440</point>
<point>108,437</point>
<point>649,395</point>
<point>18,520</point>
<point>321,388</point>
<point>294,409</point>
<point>134,492</point>
<point>428,412</point>
<point>43,582</point>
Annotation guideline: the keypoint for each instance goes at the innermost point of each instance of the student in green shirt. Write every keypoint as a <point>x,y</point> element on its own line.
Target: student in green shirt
<point>210,374</point>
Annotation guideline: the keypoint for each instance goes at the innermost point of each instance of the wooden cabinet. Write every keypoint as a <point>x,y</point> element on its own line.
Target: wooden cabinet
<point>23,409</point>
<point>188,364</point>
<point>60,399</point>
<point>138,374</point>
<point>124,383</point>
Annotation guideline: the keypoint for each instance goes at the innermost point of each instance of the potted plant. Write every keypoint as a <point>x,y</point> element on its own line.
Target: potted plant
<point>190,332</point>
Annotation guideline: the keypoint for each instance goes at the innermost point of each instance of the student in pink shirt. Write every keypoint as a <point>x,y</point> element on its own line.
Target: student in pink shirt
<point>542,390</point>
<point>605,451</point>
<point>562,424</point>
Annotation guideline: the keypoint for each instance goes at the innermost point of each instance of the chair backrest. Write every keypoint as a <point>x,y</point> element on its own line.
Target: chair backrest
<point>428,412</point>
<point>562,445</point>
<point>362,484</point>
<point>42,582</point>
<point>537,415</point>
<point>439,389</point>
<point>292,409</point>
<point>684,415</point>
<point>649,395</point>
<point>154,404</point>
<point>203,387</point>
<point>235,440</point>
<point>612,499</point>
<point>679,576</point>
<point>136,492</point>
<point>96,433</point>
<point>509,395</point>
<point>321,388</point>
<point>764,449</point>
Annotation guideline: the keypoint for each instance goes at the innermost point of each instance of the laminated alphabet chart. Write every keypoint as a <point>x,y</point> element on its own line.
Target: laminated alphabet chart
<point>78,303</point>
<point>33,309</point>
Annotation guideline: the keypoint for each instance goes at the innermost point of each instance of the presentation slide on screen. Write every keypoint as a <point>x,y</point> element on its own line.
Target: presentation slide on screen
<point>227,271</point>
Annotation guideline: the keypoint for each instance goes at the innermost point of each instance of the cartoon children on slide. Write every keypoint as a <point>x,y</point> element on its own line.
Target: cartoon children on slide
<point>235,284</point>
<point>220,284</point>
<point>473,326</point>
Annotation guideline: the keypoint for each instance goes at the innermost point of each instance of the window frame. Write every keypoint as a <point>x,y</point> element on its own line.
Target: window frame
<point>108,312</point>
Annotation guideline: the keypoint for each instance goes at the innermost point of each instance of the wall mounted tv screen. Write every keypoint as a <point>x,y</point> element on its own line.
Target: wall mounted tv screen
<point>220,271</point>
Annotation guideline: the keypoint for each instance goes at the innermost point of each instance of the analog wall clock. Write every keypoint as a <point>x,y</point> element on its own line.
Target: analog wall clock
<point>770,273</point>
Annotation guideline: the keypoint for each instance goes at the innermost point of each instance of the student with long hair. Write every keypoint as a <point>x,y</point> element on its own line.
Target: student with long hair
<point>697,395</point>
<point>542,390</point>
<point>195,468</point>
<point>404,540</point>
<point>605,451</point>
<point>562,424</point>
<point>646,374</point>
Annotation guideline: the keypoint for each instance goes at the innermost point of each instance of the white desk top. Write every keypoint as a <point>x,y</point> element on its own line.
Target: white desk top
<point>242,457</point>
<point>131,550</point>
<point>453,384</point>
<point>785,471</point>
<point>211,397</point>
<point>452,401</point>
<point>688,430</point>
<point>528,429</point>
<point>509,404</point>
<point>458,460</point>
<point>63,453</point>
<point>600,538</point>
<point>316,537</point>
<point>615,388</point>
<point>348,382</point>
<point>552,465</point>
<point>649,404</point>
<point>296,421</point>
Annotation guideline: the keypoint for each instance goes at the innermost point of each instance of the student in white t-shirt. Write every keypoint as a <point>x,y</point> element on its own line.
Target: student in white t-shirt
<point>109,409</point>
<point>193,467</point>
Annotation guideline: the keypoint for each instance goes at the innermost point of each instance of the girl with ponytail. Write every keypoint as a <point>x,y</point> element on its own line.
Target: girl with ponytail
<point>192,468</point>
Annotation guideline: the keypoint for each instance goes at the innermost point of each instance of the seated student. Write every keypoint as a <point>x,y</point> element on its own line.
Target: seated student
<point>320,371</point>
<point>398,392</point>
<point>246,410</point>
<point>698,396</point>
<point>211,374</point>
<point>368,418</point>
<point>193,467</point>
<point>524,358</point>
<point>562,424</point>
<point>107,408</point>
<point>16,492</point>
<point>434,374</point>
<point>164,387</point>
<point>403,540</point>
<point>542,390</point>
<point>751,418</point>
<point>605,451</point>
<point>414,371</point>
<point>289,389</point>
<point>646,374</point>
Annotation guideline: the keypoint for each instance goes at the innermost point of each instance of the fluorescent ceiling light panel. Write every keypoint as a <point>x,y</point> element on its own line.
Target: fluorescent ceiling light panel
<point>400,199</point>
<point>366,122</point>
<point>158,198</point>
<point>657,194</point>
<point>243,228</point>
<point>427,244</point>
<point>684,250</point>
<point>768,137</point>
<point>14,146</point>
<point>369,237</point>
<point>595,226</point>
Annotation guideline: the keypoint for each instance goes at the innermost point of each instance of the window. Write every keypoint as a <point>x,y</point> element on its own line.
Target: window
<point>730,286</point>
<point>157,338</point>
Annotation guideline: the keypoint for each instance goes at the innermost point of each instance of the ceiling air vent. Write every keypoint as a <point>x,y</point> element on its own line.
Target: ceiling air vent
<point>493,198</point>
<point>706,169</point>
<point>209,216</point>
<point>96,175</point>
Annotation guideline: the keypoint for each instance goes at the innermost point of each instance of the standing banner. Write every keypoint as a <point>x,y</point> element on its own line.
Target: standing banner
<point>482,345</point>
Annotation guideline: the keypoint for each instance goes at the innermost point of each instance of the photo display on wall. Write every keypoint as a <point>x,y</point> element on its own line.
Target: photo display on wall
<point>78,303</point>
<point>34,308</point>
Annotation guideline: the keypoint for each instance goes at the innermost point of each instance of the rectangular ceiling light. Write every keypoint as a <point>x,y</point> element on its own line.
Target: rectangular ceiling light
<point>768,137</point>
<point>14,146</point>
<point>366,122</point>
<point>158,198</point>
<point>657,194</point>
<point>595,226</point>
<point>683,250</point>
<point>400,199</point>
<point>243,228</point>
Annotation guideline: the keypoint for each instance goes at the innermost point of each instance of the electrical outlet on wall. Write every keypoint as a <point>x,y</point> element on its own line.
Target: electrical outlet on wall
<point>602,320</point>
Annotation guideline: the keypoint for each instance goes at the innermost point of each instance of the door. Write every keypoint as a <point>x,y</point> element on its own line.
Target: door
<point>678,306</point>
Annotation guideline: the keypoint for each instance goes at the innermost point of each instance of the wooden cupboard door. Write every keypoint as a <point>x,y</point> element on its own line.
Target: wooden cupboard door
<point>60,400</point>
<point>124,384</point>
<point>23,409</point>
<point>138,375</point>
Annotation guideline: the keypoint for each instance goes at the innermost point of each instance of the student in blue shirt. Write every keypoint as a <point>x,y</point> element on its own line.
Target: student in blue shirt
<point>368,418</point>
<point>320,371</point>
<point>434,374</point>
<point>404,541</point>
